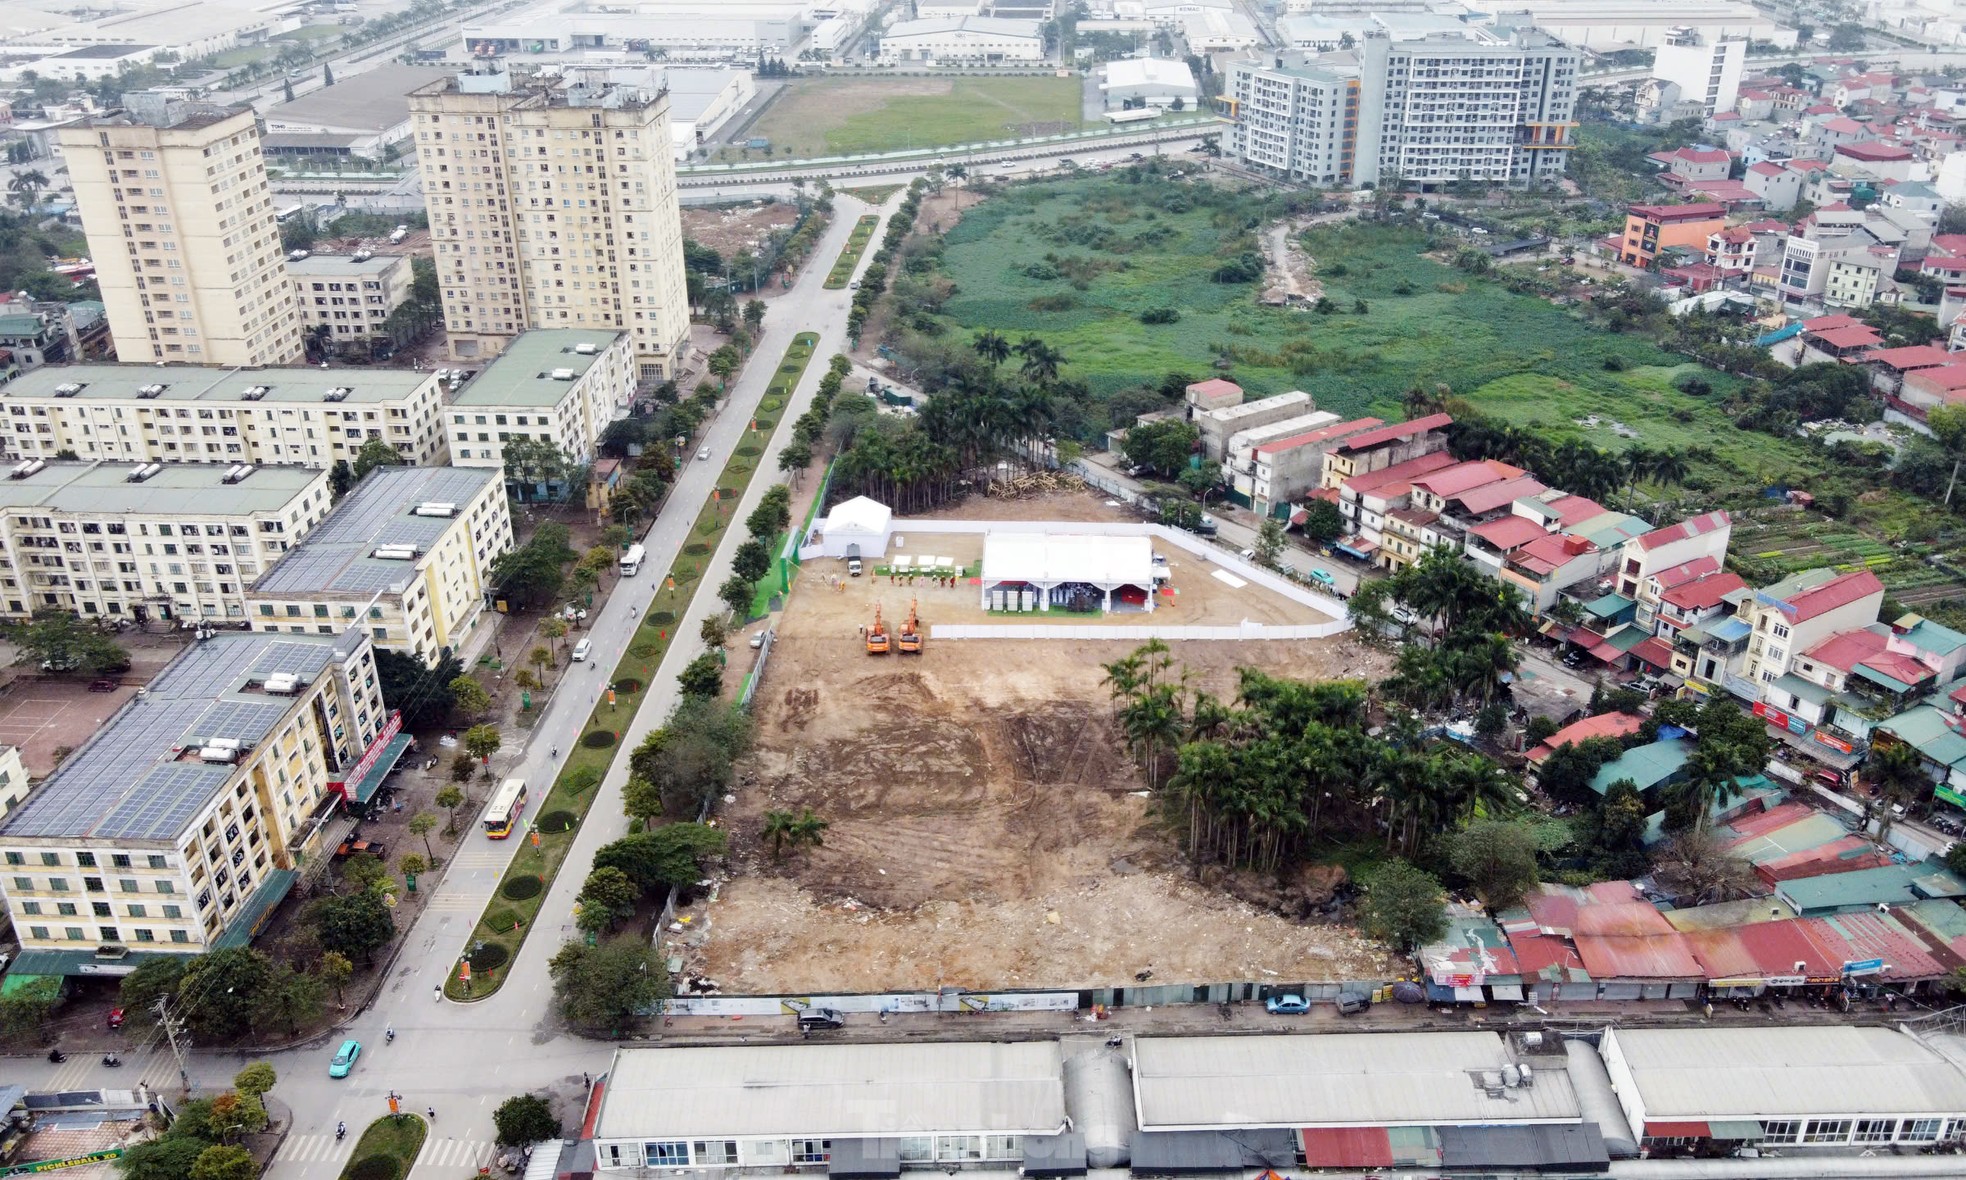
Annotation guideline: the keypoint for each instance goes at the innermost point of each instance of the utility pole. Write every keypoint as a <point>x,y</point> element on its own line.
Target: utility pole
<point>173,1027</point>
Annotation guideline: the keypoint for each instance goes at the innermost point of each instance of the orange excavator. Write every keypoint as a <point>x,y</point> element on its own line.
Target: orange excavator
<point>877,635</point>
<point>909,642</point>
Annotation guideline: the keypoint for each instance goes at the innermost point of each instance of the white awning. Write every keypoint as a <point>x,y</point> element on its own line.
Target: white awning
<point>1043,559</point>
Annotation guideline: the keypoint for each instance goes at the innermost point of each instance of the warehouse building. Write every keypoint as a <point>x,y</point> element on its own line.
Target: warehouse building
<point>1219,424</point>
<point>210,414</point>
<point>1058,571</point>
<point>560,387</point>
<point>406,556</point>
<point>1134,82</point>
<point>1820,1087</point>
<point>849,1109</point>
<point>977,40</point>
<point>361,115</point>
<point>180,825</point>
<point>178,541</point>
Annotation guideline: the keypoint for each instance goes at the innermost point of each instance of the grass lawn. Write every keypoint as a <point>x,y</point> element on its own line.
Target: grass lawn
<point>393,1138</point>
<point>502,929</point>
<point>839,116</point>
<point>245,55</point>
<point>856,245</point>
<point>874,194</point>
<point>1125,249</point>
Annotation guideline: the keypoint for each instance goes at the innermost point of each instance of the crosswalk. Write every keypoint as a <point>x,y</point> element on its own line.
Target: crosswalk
<point>438,1151</point>
<point>455,1153</point>
<point>85,1071</point>
<point>482,858</point>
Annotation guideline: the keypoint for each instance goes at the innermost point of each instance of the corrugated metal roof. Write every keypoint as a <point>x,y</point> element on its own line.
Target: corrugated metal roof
<point>1347,1147</point>
<point>1340,1079</point>
<point>834,1090</point>
<point>1711,1073</point>
<point>1806,832</point>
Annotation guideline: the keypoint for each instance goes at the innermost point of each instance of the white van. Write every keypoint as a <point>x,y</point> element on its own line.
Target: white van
<point>582,650</point>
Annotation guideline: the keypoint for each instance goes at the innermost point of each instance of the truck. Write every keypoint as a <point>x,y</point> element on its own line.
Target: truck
<point>631,561</point>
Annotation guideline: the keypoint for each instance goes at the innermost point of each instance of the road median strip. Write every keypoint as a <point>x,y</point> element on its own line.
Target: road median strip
<point>856,245</point>
<point>509,916</point>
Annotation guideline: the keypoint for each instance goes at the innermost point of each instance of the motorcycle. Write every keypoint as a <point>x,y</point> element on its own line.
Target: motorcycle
<point>57,1056</point>
<point>340,1131</point>
<point>111,1060</point>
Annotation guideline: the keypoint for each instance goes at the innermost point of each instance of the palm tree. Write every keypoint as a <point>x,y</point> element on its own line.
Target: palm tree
<point>783,829</point>
<point>1041,361</point>
<point>992,347</point>
<point>1669,467</point>
<point>27,187</point>
<point>1638,463</point>
<point>957,173</point>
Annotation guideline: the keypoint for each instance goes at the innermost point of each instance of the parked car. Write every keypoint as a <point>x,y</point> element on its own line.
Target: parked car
<point>1322,578</point>
<point>344,1059</point>
<point>703,452</point>
<point>375,848</point>
<point>102,686</point>
<point>1287,1005</point>
<point>820,1018</point>
<point>1351,1003</point>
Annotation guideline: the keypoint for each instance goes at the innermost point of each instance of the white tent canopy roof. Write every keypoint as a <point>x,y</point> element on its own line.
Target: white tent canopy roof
<point>1044,559</point>
<point>859,515</point>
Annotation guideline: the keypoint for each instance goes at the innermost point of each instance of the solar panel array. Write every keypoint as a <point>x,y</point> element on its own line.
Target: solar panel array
<point>125,783</point>
<point>335,556</point>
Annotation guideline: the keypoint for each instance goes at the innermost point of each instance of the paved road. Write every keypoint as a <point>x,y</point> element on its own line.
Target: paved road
<point>464,1059</point>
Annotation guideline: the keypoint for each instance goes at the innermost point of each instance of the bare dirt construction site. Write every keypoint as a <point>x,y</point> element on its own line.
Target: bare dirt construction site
<point>987,827</point>
<point>737,227</point>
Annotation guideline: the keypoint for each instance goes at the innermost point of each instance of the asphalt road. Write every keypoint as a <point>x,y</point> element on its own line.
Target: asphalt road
<point>463,1059</point>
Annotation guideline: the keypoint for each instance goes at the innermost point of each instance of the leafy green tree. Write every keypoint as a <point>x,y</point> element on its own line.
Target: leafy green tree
<point>525,1119</point>
<point>610,986</point>
<point>482,741</point>
<point>1269,544</point>
<point>663,857</point>
<point>335,971</point>
<point>421,825</point>
<point>750,561</point>
<point>57,641</point>
<point>1498,858</point>
<point>1403,905</point>
<point>736,593</point>
<point>1322,521</point>
<point>702,676</point>
<point>216,992</point>
<point>725,361</point>
<point>374,453</point>
<point>714,632</point>
<point>168,1158</point>
<point>340,478</point>
<point>255,1079</point>
<point>26,1010</point>
<point>772,515</point>
<point>1164,446</point>
<point>754,316</point>
<point>151,981</point>
<point>450,797</point>
<point>690,759</point>
<point>470,696</point>
<point>355,925</point>
<point>1617,841</point>
<point>225,1162</point>
<point>607,899</point>
<point>463,769</point>
<point>422,692</point>
<point>363,871</point>
<point>1566,775</point>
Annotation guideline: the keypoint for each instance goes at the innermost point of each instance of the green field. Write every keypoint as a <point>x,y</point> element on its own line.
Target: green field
<point>1113,250</point>
<point>839,116</point>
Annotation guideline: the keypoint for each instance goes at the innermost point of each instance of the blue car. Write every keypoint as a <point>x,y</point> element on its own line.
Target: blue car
<point>345,1059</point>
<point>1287,1005</point>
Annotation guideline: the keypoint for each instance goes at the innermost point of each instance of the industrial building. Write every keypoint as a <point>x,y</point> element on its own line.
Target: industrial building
<point>976,40</point>
<point>360,115</point>
<point>710,31</point>
<point>405,556</point>
<point>191,414</point>
<point>174,199</point>
<point>1220,424</point>
<point>701,101</point>
<point>559,387</point>
<point>530,227</point>
<point>177,541</point>
<point>1610,25</point>
<point>1134,82</point>
<point>1057,571</point>
<point>1493,106</point>
<point>350,296</point>
<point>186,818</point>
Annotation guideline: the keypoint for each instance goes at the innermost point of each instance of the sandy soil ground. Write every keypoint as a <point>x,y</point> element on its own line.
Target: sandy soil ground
<point>729,230</point>
<point>987,826</point>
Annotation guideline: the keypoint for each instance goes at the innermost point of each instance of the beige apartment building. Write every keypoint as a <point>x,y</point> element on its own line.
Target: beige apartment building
<point>178,541</point>
<point>350,296</point>
<point>181,414</point>
<point>561,388</point>
<point>174,200</point>
<point>406,556</point>
<point>553,205</point>
<point>186,818</point>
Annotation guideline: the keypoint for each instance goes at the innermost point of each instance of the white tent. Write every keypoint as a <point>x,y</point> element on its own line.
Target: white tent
<point>1057,566</point>
<point>855,528</point>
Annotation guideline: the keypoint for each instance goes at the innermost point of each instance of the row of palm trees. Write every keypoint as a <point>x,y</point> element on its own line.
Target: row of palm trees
<point>1571,465</point>
<point>1289,764</point>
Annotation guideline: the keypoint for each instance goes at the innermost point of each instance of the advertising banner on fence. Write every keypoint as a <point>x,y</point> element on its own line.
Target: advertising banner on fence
<point>895,1002</point>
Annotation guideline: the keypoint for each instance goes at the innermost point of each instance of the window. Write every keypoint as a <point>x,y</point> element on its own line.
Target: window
<point>811,1151</point>
<point>1781,630</point>
<point>86,859</point>
<point>180,936</point>
<point>666,1155</point>
<point>57,884</point>
<point>1919,1130</point>
<point>40,932</point>
<point>1827,1131</point>
<point>51,858</point>
<point>23,884</point>
<point>73,934</point>
<point>917,1149</point>
<point>1003,1147</point>
<point>715,1152</point>
<point>1876,1130</point>
<point>959,1147</point>
<point>15,858</point>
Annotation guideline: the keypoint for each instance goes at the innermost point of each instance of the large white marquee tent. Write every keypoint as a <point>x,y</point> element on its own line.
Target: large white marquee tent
<point>1057,570</point>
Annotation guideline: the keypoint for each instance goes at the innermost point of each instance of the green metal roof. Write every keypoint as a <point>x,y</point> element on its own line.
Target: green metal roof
<point>1864,888</point>
<point>1926,635</point>
<point>1648,766</point>
<point>189,489</point>
<point>522,374</point>
<point>1809,691</point>
<point>21,325</point>
<point>1925,728</point>
<point>246,923</point>
<point>1608,606</point>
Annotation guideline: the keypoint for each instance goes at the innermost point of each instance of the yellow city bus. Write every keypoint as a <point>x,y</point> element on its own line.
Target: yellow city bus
<point>505,808</point>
